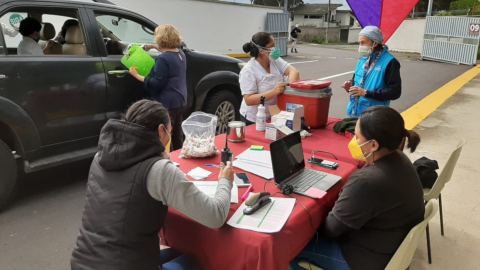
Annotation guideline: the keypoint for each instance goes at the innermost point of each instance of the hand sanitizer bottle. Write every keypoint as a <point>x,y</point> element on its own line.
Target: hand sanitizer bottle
<point>261,116</point>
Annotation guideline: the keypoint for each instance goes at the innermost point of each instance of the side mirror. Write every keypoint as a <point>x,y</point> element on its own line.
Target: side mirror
<point>185,47</point>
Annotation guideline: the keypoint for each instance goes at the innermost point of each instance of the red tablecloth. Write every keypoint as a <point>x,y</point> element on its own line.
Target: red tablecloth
<point>232,249</point>
<point>323,139</point>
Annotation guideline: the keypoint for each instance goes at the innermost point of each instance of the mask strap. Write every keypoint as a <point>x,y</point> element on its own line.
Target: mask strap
<point>365,143</point>
<point>169,136</point>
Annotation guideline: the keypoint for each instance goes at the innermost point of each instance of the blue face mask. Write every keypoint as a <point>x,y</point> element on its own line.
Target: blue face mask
<point>38,38</point>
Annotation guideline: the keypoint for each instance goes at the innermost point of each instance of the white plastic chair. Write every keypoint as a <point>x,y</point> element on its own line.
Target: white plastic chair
<point>436,191</point>
<point>403,256</point>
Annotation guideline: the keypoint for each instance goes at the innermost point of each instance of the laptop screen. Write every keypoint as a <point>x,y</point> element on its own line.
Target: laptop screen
<point>287,157</point>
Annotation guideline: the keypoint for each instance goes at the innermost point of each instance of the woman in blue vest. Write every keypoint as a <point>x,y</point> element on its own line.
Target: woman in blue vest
<point>376,80</point>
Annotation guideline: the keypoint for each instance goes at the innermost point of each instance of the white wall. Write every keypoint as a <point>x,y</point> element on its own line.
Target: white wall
<point>300,19</point>
<point>205,26</point>
<point>343,18</point>
<point>408,37</point>
<point>353,35</point>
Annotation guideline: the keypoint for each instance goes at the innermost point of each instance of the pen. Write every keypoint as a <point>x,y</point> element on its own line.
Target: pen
<point>245,196</point>
<point>214,166</point>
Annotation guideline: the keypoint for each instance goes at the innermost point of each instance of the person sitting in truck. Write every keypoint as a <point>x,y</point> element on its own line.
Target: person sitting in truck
<point>263,75</point>
<point>30,29</point>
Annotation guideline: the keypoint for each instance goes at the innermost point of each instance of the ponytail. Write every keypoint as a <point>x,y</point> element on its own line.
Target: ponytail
<point>261,39</point>
<point>413,140</point>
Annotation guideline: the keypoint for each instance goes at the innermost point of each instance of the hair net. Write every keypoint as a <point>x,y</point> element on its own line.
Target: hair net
<point>372,32</point>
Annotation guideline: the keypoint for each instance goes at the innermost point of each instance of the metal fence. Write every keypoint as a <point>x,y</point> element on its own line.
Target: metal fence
<point>451,39</point>
<point>277,25</point>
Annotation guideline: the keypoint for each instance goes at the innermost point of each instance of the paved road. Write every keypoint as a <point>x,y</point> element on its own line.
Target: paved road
<point>39,230</point>
<point>419,78</point>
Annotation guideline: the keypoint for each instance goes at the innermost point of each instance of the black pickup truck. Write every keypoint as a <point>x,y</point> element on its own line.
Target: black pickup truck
<point>53,106</point>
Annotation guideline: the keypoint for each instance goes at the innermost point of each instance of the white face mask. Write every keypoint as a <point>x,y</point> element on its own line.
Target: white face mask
<point>366,50</point>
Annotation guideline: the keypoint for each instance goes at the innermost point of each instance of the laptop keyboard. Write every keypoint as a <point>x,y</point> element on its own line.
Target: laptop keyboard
<point>305,180</point>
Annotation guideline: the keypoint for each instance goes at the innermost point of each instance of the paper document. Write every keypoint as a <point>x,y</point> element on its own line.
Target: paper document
<point>262,157</point>
<point>210,187</point>
<point>199,173</point>
<point>270,219</point>
<point>259,169</point>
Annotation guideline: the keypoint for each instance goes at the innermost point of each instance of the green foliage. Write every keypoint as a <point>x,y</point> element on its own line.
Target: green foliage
<point>318,41</point>
<point>462,5</point>
<point>444,13</point>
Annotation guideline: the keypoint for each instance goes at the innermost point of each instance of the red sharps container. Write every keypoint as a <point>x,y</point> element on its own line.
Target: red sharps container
<point>313,95</point>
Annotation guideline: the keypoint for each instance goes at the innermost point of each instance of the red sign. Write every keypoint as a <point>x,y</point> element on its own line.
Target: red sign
<point>474,29</point>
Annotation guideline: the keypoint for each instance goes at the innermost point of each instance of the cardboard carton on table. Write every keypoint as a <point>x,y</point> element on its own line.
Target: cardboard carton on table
<point>283,123</point>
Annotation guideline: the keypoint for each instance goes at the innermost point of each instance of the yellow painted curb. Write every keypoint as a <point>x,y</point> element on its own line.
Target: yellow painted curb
<point>239,55</point>
<point>418,112</point>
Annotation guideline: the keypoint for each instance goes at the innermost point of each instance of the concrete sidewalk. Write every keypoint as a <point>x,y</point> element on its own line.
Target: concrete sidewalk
<point>458,117</point>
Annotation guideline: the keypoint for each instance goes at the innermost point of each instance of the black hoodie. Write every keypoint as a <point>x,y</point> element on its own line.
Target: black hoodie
<point>121,221</point>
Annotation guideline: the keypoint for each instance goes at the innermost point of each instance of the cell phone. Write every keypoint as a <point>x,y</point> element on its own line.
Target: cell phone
<point>241,179</point>
<point>323,163</point>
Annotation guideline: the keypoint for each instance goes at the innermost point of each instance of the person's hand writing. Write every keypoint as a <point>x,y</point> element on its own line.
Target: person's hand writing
<point>279,88</point>
<point>347,85</point>
<point>226,171</point>
<point>357,92</point>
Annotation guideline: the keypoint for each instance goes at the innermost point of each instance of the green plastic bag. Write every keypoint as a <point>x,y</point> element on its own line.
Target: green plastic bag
<point>140,58</point>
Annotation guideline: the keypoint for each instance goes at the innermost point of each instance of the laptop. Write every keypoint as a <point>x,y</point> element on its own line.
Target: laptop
<point>288,165</point>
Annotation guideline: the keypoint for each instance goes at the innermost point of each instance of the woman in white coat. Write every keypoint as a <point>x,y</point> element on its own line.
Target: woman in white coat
<point>263,75</point>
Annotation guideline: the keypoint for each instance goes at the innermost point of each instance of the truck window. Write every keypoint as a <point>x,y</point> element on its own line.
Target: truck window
<point>119,33</point>
<point>55,25</point>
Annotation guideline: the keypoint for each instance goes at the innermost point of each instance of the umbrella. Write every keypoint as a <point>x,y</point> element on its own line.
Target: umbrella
<point>385,14</point>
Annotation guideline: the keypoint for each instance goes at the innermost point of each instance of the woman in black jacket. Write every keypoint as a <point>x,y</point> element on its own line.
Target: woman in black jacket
<point>378,205</point>
<point>167,82</point>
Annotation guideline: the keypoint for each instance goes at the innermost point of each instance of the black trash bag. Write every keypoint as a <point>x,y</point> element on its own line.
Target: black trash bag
<point>426,170</point>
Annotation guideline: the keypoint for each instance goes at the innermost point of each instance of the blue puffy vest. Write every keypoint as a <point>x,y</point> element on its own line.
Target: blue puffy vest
<point>375,80</point>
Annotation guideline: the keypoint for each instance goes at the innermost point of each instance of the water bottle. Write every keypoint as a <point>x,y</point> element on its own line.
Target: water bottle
<point>261,116</point>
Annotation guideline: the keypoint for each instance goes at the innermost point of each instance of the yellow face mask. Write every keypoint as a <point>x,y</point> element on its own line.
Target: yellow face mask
<point>167,147</point>
<point>356,151</point>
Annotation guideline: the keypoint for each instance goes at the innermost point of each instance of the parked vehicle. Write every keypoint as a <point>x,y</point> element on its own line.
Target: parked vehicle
<point>53,107</point>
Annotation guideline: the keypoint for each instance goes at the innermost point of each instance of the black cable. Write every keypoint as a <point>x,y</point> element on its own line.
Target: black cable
<point>313,227</point>
<point>325,152</point>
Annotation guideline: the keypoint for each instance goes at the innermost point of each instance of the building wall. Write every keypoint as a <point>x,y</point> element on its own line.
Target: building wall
<point>343,18</point>
<point>206,26</point>
<point>408,37</point>
<point>353,35</point>
<point>310,33</point>
<point>300,19</point>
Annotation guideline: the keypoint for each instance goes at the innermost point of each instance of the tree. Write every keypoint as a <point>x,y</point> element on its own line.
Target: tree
<point>276,3</point>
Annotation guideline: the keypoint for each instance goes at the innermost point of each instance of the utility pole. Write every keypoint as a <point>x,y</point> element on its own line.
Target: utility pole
<point>430,5</point>
<point>285,6</point>
<point>328,21</point>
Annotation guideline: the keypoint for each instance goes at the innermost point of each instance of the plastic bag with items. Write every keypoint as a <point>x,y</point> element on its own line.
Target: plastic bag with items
<point>199,130</point>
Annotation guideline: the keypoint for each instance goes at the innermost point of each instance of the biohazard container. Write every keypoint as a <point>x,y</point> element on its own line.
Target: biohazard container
<point>313,95</point>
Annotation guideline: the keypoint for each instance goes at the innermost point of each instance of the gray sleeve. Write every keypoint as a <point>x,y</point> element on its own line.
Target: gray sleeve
<point>166,183</point>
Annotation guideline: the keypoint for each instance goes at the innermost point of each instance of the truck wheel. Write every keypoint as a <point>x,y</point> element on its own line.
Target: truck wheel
<point>226,106</point>
<point>8,173</point>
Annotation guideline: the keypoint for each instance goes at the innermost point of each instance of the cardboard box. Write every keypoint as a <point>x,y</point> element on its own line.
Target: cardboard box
<point>292,120</point>
<point>275,131</point>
